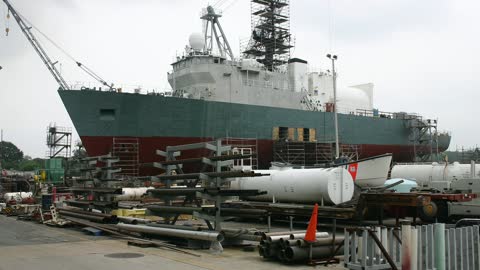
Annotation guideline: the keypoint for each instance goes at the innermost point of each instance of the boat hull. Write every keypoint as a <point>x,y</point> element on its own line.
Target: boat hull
<point>157,121</point>
<point>96,146</point>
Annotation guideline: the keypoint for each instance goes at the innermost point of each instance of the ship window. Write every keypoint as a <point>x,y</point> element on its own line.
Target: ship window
<point>107,114</point>
<point>283,133</point>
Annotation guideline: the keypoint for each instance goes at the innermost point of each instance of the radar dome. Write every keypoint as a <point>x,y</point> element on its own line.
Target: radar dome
<point>196,41</point>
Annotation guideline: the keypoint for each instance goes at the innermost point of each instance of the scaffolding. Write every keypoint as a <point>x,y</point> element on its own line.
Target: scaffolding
<point>270,42</point>
<point>424,137</point>
<point>213,183</point>
<point>59,141</point>
<point>310,154</point>
<point>243,146</point>
<point>127,152</point>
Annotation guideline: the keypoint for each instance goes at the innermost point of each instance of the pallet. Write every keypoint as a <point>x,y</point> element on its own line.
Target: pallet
<point>142,244</point>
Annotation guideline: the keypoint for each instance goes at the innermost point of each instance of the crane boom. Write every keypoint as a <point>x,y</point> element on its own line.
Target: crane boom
<point>38,48</point>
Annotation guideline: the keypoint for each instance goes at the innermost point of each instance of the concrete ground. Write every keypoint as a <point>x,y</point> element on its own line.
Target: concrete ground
<point>27,245</point>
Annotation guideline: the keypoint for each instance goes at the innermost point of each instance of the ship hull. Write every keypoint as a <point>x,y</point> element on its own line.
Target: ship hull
<point>102,145</point>
<point>156,121</point>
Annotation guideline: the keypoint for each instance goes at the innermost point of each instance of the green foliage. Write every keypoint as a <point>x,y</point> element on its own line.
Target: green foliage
<point>80,152</point>
<point>12,158</point>
<point>31,165</point>
<point>10,155</point>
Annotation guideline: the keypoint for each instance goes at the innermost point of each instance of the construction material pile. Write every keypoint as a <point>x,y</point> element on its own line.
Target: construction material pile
<point>290,247</point>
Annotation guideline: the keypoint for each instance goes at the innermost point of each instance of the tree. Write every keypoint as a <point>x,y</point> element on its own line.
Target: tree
<point>80,152</point>
<point>31,164</point>
<point>10,155</point>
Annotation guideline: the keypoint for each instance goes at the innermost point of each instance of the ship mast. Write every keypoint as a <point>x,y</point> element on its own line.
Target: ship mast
<point>270,40</point>
<point>213,29</point>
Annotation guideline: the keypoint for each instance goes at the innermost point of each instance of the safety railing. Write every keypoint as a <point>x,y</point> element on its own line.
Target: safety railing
<point>425,247</point>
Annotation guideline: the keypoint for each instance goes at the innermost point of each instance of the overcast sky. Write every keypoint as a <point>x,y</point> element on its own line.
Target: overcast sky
<point>422,56</point>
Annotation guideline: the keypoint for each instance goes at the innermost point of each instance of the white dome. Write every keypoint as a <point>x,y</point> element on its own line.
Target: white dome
<point>196,41</point>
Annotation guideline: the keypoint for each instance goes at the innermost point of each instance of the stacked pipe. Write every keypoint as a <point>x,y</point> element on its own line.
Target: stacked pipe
<point>289,247</point>
<point>234,212</point>
<point>234,234</point>
<point>173,232</point>
<point>86,215</point>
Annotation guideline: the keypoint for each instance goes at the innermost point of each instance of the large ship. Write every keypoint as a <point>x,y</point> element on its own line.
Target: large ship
<point>263,98</point>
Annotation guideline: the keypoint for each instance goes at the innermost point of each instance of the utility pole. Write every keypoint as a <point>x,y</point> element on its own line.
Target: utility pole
<point>337,146</point>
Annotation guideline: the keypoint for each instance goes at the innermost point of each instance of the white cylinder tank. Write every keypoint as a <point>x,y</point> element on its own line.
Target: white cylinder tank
<point>17,196</point>
<point>132,194</point>
<point>426,173</point>
<point>332,185</point>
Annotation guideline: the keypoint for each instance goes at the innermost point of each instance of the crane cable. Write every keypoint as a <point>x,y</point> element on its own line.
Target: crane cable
<point>219,3</point>
<point>6,17</point>
<point>229,6</point>
<point>79,64</point>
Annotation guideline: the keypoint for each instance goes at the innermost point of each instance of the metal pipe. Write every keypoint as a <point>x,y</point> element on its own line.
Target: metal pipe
<point>174,209</point>
<point>406,239</point>
<point>319,242</point>
<point>290,243</point>
<point>414,257</point>
<point>261,251</point>
<point>83,216</point>
<point>271,250</point>
<point>277,238</point>
<point>249,237</point>
<point>206,236</point>
<point>265,235</point>
<point>85,212</point>
<point>237,211</point>
<point>439,229</point>
<point>190,210</point>
<point>132,220</point>
<point>177,227</point>
<point>296,254</point>
<point>301,235</point>
<point>229,174</point>
<point>175,191</point>
<point>384,251</point>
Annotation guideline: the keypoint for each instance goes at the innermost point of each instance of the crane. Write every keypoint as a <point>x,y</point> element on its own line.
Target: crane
<point>44,56</point>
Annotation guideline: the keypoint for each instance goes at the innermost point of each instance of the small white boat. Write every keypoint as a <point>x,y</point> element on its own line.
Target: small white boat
<point>369,172</point>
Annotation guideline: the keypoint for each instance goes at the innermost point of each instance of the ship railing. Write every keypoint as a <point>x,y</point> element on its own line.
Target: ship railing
<point>444,132</point>
<point>391,115</point>
<point>120,88</point>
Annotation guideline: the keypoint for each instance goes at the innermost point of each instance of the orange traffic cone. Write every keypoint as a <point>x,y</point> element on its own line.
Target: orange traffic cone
<point>310,235</point>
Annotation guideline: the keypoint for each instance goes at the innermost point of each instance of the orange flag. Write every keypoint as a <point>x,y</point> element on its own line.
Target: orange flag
<point>311,234</point>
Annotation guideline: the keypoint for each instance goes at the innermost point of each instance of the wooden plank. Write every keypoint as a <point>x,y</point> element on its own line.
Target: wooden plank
<point>312,135</point>
<point>276,133</point>
<point>291,134</point>
<point>300,134</point>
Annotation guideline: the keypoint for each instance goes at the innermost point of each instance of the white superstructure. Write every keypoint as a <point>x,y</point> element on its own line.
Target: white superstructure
<point>210,72</point>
